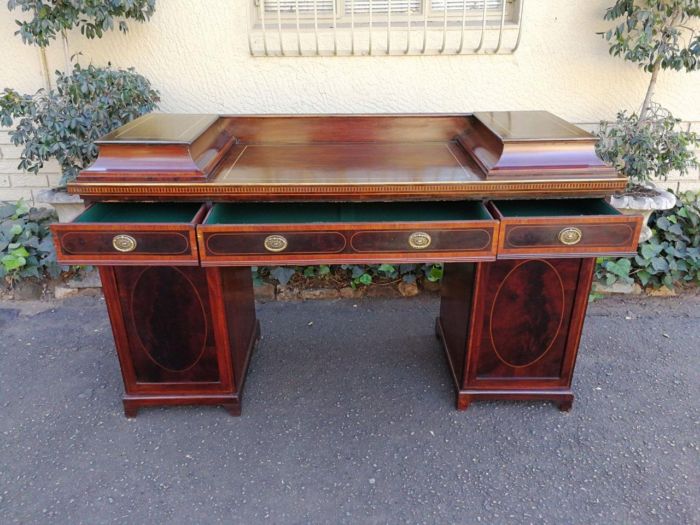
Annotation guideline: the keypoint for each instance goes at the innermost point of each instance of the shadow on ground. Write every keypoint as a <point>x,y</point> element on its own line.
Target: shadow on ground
<point>348,417</point>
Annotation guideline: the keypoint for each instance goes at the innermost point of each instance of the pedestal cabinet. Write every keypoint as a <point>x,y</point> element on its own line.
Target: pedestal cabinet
<point>184,335</point>
<point>511,329</point>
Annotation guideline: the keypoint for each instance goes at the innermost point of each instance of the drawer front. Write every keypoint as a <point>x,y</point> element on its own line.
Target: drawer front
<point>346,243</point>
<point>422,241</point>
<point>557,237</point>
<point>270,243</point>
<point>136,243</point>
<point>239,234</point>
<point>159,234</point>
<point>125,245</point>
<point>564,228</point>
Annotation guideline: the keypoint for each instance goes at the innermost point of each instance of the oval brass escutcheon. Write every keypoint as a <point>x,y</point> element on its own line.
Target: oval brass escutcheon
<point>275,243</point>
<point>124,243</point>
<point>570,236</point>
<point>419,240</point>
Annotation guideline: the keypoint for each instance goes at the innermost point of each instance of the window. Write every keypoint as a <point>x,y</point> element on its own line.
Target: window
<point>389,27</point>
<point>379,12</point>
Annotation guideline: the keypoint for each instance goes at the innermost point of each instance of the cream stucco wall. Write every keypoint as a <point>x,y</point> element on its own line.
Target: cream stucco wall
<point>196,53</point>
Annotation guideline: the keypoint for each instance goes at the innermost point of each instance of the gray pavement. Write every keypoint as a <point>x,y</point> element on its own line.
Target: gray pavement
<point>348,418</point>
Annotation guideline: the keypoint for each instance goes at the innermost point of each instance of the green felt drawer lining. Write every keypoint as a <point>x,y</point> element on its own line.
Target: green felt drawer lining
<point>555,208</point>
<point>310,212</point>
<point>303,213</point>
<point>139,212</point>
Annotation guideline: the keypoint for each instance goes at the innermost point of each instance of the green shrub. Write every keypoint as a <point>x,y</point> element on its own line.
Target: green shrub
<point>26,247</point>
<point>671,256</point>
<point>647,149</point>
<point>656,35</point>
<point>50,17</point>
<point>65,122</point>
<point>352,274</point>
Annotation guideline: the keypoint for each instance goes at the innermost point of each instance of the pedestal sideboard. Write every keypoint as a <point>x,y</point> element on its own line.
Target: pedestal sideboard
<point>181,206</point>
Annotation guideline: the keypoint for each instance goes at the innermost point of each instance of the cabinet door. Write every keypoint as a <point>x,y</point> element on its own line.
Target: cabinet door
<point>530,323</point>
<point>168,338</point>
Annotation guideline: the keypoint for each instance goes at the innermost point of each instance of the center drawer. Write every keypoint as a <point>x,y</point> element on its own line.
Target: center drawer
<point>131,234</point>
<point>313,233</point>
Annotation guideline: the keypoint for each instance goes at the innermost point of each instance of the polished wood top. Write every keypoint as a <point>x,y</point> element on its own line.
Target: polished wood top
<point>530,126</point>
<point>346,163</point>
<point>161,128</point>
<point>347,157</point>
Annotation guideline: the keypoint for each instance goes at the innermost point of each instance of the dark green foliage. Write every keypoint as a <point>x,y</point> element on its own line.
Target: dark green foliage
<point>93,17</point>
<point>26,248</point>
<point>65,122</point>
<point>657,35</point>
<point>647,149</point>
<point>654,31</point>
<point>352,274</point>
<point>670,257</point>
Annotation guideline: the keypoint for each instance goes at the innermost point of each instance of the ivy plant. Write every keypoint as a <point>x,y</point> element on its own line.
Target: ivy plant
<point>48,18</point>
<point>671,256</point>
<point>26,248</point>
<point>64,123</point>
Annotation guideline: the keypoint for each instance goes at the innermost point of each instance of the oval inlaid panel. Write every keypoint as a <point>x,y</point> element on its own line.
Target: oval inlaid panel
<point>527,313</point>
<point>532,235</point>
<point>147,243</point>
<point>234,243</point>
<point>441,240</point>
<point>171,324</point>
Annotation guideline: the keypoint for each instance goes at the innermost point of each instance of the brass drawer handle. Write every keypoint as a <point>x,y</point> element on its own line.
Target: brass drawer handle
<point>124,243</point>
<point>570,236</point>
<point>275,243</point>
<point>419,240</point>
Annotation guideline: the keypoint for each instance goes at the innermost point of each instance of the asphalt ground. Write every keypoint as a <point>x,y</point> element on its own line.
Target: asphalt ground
<point>348,417</point>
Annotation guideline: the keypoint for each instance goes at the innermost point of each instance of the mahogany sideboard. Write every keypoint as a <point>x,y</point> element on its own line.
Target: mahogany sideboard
<point>181,206</point>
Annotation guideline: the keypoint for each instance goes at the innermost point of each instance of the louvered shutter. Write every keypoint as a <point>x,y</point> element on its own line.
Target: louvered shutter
<point>304,6</point>
<point>382,6</point>
<point>471,5</point>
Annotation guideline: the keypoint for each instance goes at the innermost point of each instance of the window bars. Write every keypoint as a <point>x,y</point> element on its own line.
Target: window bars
<point>384,27</point>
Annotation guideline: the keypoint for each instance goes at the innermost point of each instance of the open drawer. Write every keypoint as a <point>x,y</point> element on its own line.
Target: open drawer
<point>314,233</point>
<point>131,234</point>
<point>564,228</point>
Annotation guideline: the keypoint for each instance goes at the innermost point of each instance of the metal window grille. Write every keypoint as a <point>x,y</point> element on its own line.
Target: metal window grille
<point>384,27</point>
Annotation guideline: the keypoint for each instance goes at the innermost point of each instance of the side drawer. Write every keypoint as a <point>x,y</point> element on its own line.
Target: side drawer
<point>564,228</point>
<point>313,233</point>
<point>130,234</point>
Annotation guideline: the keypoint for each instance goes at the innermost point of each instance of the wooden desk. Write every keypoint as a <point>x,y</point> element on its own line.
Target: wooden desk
<point>182,205</point>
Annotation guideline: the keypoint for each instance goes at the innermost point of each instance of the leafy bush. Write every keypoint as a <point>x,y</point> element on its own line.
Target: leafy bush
<point>65,122</point>
<point>655,32</point>
<point>353,274</point>
<point>657,35</point>
<point>671,256</point>
<point>646,149</point>
<point>50,17</point>
<point>26,248</point>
